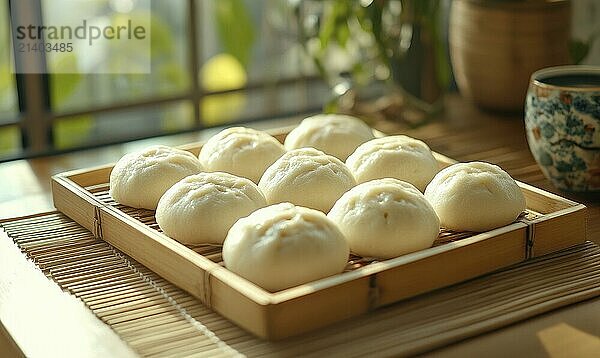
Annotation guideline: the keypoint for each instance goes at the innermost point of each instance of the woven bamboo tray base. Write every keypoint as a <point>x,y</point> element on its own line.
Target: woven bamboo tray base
<point>156,318</point>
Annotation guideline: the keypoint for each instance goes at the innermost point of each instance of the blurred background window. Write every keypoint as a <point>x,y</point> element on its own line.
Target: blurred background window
<point>214,62</point>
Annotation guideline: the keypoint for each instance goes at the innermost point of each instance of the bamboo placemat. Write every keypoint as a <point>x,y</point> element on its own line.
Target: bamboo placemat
<point>157,319</point>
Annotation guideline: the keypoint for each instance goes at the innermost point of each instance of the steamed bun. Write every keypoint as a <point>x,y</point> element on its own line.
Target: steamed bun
<point>385,218</point>
<point>475,196</point>
<point>241,151</point>
<point>140,178</point>
<point>201,208</point>
<point>283,245</point>
<point>306,177</point>
<point>335,134</point>
<point>398,156</point>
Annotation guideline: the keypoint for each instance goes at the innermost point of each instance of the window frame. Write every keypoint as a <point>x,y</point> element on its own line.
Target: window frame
<point>36,118</point>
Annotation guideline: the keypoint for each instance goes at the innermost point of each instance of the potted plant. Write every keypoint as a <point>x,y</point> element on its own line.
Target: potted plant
<point>382,58</point>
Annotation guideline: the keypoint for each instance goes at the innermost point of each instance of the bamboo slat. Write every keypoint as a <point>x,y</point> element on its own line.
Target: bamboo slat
<point>158,319</point>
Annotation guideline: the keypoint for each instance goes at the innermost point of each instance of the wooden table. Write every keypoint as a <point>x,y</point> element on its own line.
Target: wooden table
<point>462,132</point>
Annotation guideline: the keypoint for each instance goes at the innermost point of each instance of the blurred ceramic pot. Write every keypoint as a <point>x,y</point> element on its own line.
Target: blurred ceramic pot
<point>495,46</point>
<point>562,119</point>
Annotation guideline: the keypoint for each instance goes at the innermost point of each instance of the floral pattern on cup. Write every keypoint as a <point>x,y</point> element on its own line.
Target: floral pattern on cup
<point>563,132</point>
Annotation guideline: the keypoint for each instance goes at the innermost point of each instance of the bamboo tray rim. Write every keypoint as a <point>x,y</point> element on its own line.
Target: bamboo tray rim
<point>81,194</point>
<point>265,297</point>
<point>270,298</point>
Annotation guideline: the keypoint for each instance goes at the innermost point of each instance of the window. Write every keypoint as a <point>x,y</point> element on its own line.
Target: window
<point>213,62</point>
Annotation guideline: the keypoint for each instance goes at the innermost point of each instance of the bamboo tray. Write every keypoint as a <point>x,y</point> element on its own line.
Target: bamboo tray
<point>550,223</point>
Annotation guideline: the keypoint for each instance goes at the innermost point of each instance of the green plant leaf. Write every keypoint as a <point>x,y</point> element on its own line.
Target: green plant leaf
<point>63,85</point>
<point>335,23</point>
<point>578,50</point>
<point>235,29</point>
<point>73,131</point>
<point>375,14</point>
<point>7,82</point>
<point>161,41</point>
<point>328,28</point>
<point>443,72</point>
<point>332,106</point>
<point>343,33</point>
<point>9,140</point>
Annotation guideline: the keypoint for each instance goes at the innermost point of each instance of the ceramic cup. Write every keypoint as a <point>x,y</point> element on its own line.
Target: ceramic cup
<point>562,120</point>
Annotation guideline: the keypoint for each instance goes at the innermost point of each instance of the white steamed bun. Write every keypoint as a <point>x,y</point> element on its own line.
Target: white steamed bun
<point>244,152</point>
<point>306,177</point>
<point>385,218</point>
<point>283,245</point>
<point>475,196</point>
<point>335,134</point>
<point>140,178</point>
<point>201,208</point>
<point>398,156</point>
